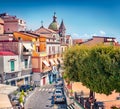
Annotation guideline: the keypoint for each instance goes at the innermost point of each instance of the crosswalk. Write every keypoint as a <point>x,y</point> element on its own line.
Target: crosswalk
<point>46,89</point>
<point>70,106</point>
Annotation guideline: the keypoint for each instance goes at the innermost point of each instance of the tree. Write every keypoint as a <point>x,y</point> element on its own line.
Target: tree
<point>97,67</point>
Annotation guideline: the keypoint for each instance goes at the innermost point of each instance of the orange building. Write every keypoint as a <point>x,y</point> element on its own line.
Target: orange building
<point>40,62</point>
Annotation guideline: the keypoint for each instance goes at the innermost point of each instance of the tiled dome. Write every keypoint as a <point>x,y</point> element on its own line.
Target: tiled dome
<point>54,26</point>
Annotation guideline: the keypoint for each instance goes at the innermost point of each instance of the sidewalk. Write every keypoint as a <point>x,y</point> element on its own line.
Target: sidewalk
<point>70,98</point>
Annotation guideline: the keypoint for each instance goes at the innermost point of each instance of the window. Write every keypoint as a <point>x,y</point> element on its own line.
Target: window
<point>26,63</point>
<point>12,65</point>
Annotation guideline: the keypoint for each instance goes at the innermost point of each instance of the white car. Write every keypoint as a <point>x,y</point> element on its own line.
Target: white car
<point>59,96</point>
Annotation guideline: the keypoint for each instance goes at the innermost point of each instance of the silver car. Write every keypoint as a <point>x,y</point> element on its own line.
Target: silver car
<point>59,96</point>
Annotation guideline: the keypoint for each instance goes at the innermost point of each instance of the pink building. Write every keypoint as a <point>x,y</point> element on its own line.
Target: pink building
<point>12,23</point>
<point>1,26</point>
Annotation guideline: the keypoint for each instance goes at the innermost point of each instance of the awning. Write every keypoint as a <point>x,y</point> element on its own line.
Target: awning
<point>51,61</point>
<point>28,46</point>
<point>61,61</point>
<point>56,61</point>
<point>46,63</point>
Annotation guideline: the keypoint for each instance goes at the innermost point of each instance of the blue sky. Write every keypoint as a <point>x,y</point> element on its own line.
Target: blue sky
<point>82,18</point>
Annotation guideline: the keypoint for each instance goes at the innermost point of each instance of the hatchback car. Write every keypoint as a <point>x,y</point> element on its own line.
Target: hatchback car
<point>59,99</point>
<point>59,96</point>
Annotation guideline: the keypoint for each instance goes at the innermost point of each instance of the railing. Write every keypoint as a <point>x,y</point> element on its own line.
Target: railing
<point>88,102</point>
<point>26,72</point>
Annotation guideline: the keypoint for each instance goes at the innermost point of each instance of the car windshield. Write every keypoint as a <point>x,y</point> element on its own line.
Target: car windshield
<point>59,96</point>
<point>58,91</point>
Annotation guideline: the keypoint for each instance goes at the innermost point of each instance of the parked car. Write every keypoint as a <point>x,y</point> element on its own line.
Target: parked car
<point>26,88</point>
<point>58,92</point>
<point>59,96</point>
<point>59,99</point>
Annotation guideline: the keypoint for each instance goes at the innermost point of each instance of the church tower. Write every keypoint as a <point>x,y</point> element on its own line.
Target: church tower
<point>62,29</point>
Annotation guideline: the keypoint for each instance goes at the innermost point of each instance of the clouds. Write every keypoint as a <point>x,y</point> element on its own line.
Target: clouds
<point>75,35</point>
<point>88,35</point>
<point>102,32</point>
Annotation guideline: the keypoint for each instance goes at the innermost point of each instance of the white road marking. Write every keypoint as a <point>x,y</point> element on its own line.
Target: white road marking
<point>39,89</point>
<point>43,89</point>
<point>49,89</point>
<point>53,89</point>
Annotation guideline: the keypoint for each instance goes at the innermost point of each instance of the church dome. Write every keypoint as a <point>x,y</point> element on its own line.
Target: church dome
<point>54,25</point>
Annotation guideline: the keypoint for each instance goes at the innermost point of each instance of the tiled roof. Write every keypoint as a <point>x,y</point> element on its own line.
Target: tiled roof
<point>103,37</point>
<point>29,33</point>
<point>43,30</point>
<point>6,53</point>
<point>77,41</point>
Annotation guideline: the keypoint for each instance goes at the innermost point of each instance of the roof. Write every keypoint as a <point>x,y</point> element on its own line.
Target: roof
<point>54,26</point>
<point>62,26</point>
<point>6,53</point>
<point>29,33</point>
<point>77,41</point>
<point>43,30</point>
<point>103,37</point>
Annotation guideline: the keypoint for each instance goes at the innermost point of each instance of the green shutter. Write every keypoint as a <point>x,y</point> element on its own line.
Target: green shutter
<point>26,63</point>
<point>12,65</point>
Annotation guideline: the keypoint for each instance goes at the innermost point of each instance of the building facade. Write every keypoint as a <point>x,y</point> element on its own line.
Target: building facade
<point>17,68</point>
<point>1,26</point>
<point>12,23</point>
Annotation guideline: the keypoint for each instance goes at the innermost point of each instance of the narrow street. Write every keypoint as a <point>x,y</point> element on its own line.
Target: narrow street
<point>42,98</point>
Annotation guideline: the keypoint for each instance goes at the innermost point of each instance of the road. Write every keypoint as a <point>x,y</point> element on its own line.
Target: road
<point>42,98</point>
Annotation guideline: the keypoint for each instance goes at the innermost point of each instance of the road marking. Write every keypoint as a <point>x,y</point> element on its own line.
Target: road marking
<point>43,89</point>
<point>46,89</point>
<point>55,106</point>
<point>39,89</point>
<point>49,89</point>
<point>53,89</point>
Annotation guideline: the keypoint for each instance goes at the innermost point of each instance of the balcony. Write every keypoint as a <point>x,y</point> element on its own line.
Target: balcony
<point>53,52</point>
<point>26,72</point>
<point>42,54</point>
